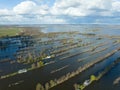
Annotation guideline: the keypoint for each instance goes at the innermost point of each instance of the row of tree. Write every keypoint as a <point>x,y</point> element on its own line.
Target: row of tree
<point>69,75</point>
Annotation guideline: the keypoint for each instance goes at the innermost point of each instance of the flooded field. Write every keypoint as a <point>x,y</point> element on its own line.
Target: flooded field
<point>60,57</point>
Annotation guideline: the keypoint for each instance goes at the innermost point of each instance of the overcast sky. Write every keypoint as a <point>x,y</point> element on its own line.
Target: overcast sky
<point>59,11</point>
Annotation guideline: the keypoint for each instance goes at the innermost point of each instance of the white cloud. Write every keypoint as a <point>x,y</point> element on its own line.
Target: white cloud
<point>34,11</point>
<point>62,7</point>
<point>100,4</point>
<point>12,19</point>
<point>28,12</point>
<point>81,7</point>
<point>106,13</point>
<point>42,10</point>
<point>5,12</point>
<point>50,20</point>
<point>116,6</point>
<point>66,3</point>
<point>25,7</point>
<point>30,7</point>
<point>77,11</point>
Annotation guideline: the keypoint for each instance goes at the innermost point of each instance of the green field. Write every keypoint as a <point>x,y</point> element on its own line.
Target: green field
<point>6,31</point>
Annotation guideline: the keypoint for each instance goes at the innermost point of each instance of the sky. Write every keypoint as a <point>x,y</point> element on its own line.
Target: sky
<point>59,11</point>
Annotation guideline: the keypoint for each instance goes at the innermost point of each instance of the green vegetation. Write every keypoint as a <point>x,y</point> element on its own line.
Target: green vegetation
<point>37,60</point>
<point>6,31</point>
<point>116,81</point>
<point>13,31</point>
<point>81,87</point>
<point>39,64</point>
<point>79,70</point>
<point>39,87</point>
<point>92,77</point>
<point>31,58</point>
<point>96,78</point>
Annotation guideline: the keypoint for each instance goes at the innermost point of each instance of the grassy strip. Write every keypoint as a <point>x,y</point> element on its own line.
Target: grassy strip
<point>59,69</point>
<point>9,31</point>
<point>71,47</point>
<point>16,73</point>
<point>103,49</point>
<point>92,49</point>
<point>92,53</point>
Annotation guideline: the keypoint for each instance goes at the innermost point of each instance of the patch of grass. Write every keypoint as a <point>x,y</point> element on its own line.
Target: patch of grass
<point>9,31</point>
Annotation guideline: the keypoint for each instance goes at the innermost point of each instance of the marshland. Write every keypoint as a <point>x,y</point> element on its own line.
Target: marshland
<point>58,57</point>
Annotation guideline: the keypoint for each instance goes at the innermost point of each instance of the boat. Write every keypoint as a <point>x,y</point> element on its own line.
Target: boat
<point>22,71</point>
<point>48,57</point>
<point>86,82</point>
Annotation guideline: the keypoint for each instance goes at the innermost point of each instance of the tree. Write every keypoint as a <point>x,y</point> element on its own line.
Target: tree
<point>30,58</point>
<point>76,86</point>
<point>81,87</point>
<point>92,77</point>
<point>52,83</point>
<point>33,66</point>
<point>40,64</point>
<point>47,86</point>
<point>39,87</point>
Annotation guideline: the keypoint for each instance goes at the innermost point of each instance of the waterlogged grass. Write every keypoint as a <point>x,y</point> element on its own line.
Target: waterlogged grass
<point>4,31</point>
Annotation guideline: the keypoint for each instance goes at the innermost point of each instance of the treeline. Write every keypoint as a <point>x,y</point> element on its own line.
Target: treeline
<point>55,82</point>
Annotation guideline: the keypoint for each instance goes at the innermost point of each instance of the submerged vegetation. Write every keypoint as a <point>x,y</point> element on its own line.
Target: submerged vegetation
<point>79,70</point>
<point>96,78</point>
<point>52,58</point>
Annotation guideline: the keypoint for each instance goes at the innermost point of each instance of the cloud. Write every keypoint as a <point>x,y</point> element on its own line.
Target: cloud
<point>80,7</point>
<point>51,20</point>
<point>116,6</point>
<point>5,12</point>
<point>30,7</point>
<point>29,12</point>
<point>25,7</point>
<point>60,11</point>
